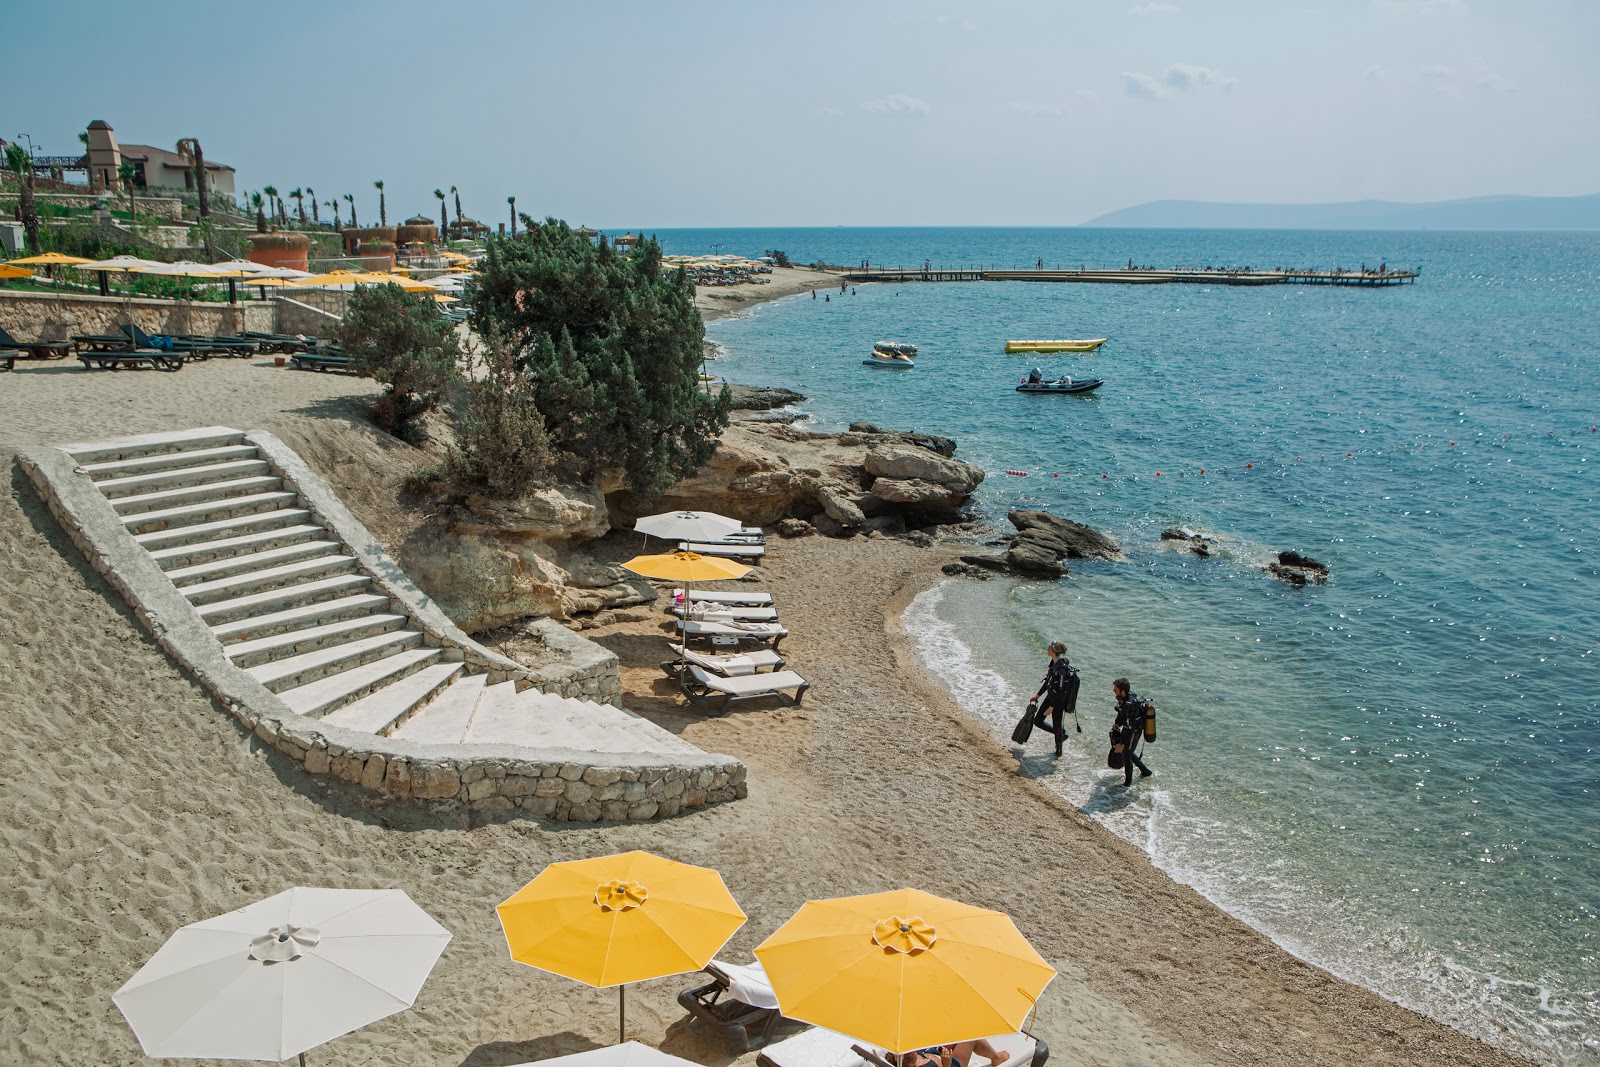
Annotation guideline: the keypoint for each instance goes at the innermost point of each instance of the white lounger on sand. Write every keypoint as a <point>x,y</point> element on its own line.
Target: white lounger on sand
<point>699,685</point>
<point>737,664</point>
<point>824,1048</point>
<point>745,631</point>
<point>732,549</point>
<point>725,613</point>
<point>738,1000</point>
<point>752,600</point>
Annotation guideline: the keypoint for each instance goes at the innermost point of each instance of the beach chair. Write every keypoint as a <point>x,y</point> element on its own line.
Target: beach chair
<point>748,600</point>
<point>699,685</point>
<point>818,1047</point>
<point>102,342</point>
<point>321,361</point>
<point>731,666</point>
<point>283,342</point>
<point>116,359</point>
<point>738,1001</point>
<point>164,343</point>
<point>35,349</point>
<point>222,344</point>
<point>9,358</point>
<point>728,549</point>
<point>696,609</point>
<point>765,633</point>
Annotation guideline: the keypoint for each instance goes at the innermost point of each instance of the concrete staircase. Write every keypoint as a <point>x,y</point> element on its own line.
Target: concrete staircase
<point>296,610</point>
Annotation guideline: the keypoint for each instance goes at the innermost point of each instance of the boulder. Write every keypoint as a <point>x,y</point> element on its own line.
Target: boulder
<point>965,570</point>
<point>758,487</point>
<point>839,508</point>
<point>1198,543</point>
<point>1073,539</point>
<point>864,433</point>
<point>1035,560</point>
<point>1296,569</point>
<point>795,528</point>
<point>920,538</point>
<point>908,463</point>
<point>988,563</point>
<point>759,398</point>
<point>564,513</point>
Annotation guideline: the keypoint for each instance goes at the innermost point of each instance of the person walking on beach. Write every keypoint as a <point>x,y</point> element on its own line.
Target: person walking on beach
<point>1128,730</point>
<point>1060,692</point>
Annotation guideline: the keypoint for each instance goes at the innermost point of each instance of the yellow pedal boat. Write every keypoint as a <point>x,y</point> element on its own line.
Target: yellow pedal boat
<point>1055,346</point>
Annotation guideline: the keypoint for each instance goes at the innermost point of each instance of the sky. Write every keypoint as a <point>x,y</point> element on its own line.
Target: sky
<point>865,113</point>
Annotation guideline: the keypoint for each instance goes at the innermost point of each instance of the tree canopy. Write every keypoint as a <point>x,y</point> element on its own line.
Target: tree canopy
<point>403,342</point>
<point>613,346</point>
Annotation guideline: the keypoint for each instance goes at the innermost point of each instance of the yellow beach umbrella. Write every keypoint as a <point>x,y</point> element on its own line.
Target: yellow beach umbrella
<point>686,567</point>
<point>617,919</point>
<point>410,285</point>
<point>332,277</point>
<point>445,298</point>
<point>904,970</point>
<point>8,271</point>
<point>50,259</point>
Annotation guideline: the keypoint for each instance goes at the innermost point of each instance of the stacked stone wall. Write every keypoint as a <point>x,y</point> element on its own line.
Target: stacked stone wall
<point>31,316</point>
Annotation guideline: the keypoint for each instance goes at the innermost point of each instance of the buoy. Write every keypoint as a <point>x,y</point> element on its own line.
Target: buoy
<point>1249,466</point>
<point>1019,474</point>
<point>1057,474</point>
<point>1158,474</point>
<point>1202,470</point>
<point>1103,476</point>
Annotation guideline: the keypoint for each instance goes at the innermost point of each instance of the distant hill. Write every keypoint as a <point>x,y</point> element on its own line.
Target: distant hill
<point>1477,213</point>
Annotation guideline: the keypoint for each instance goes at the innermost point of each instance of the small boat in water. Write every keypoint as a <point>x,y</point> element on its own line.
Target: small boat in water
<point>1034,384</point>
<point>892,360</point>
<point>1055,346</point>
<point>895,348</point>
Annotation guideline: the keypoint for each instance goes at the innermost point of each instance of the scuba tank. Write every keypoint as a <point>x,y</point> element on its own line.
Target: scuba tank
<point>1149,722</point>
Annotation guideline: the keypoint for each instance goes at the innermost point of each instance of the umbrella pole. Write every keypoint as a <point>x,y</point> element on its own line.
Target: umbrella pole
<point>622,1013</point>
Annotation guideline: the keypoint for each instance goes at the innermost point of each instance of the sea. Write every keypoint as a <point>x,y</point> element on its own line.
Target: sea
<point>1394,774</point>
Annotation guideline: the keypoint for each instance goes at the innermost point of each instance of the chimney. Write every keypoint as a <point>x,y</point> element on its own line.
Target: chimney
<point>104,155</point>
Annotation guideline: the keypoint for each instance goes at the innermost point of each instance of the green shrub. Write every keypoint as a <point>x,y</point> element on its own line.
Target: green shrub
<point>401,340</point>
<point>501,447</point>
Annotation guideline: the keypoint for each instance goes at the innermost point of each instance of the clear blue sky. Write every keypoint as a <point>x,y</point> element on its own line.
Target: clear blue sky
<point>906,112</point>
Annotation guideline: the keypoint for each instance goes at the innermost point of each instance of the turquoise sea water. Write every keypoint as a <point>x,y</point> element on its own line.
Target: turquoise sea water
<point>1394,775</point>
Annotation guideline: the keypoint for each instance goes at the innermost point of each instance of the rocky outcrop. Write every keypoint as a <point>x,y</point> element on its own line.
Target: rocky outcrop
<point>1042,545</point>
<point>761,398</point>
<point>1202,545</point>
<point>864,433</point>
<point>1296,569</point>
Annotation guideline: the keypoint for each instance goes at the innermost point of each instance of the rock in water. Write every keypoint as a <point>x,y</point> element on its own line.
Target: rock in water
<point>1073,539</point>
<point>1296,569</point>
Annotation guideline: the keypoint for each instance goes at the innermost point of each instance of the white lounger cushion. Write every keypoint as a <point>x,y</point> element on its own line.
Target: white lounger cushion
<point>737,664</point>
<point>749,684</point>
<point>726,613</point>
<point>724,548</point>
<point>748,984</point>
<point>753,600</point>
<point>702,627</point>
<point>824,1048</point>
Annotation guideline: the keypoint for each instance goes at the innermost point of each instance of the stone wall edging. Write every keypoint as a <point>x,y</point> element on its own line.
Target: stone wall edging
<point>557,784</point>
<point>26,314</point>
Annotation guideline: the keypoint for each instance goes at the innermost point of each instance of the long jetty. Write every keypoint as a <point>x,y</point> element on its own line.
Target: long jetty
<point>1136,276</point>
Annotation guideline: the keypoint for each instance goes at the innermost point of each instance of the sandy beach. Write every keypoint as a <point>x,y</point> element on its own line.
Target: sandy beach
<point>878,781</point>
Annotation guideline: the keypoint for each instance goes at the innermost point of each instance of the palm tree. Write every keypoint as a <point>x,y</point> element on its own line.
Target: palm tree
<point>511,200</point>
<point>125,175</point>
<point>94,181</point>
<point>272,200</point>
<point>334,203</point>
<point>459,216</point>
<point>189,151</point>
<point>298,195</point>
<point>316,219</point>
<point>352,202</point>
<point>256,201</point>
<point>444,216</point>
<point>383,207</point>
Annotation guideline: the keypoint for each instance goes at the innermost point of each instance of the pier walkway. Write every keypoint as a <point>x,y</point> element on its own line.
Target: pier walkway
<point>1137,276</point>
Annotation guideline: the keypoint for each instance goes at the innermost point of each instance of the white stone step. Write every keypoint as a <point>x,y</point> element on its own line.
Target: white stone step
<point>445,719</point>
<point>162,461</point>
<point>500,718</point>
<point>181,556</point>
<point>293,642</point>
<point>294,671</point>
<point>196,494</point>
<point>235,586</point>
<point>236,526</point>
<point>346,607</point>
<point>233,507</point>
<point>153,444</point>
<point>179,477</point>
<point>376,712</point>
<point>325,694</point>
<point>195,573</point>
<point>275,601</point>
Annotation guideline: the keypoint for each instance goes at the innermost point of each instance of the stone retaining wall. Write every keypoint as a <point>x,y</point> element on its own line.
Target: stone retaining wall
<point>292,315</point>
<point>31,316</point>
<point>558,784</point>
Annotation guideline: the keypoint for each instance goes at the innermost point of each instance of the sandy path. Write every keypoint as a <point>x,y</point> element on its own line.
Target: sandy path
<point>133,805</point>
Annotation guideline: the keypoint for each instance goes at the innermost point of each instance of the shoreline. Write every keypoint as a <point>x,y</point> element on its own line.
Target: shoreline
<point>719,302</point>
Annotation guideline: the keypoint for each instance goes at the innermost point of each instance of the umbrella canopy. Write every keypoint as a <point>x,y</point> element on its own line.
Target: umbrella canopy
<point>185,269</point>
<point>686,567</point>
<point>688,526</point>
<point>268,281</point>
<point>904,970</point>
<point>283,975</point>
<point>245,266</point>
<point>50,259</point>
<point>332,277</point>
<point>8,271</point>
<point>125,264</point>
<point>617,919</point>
<point>627,1054</point>
<point>410,285</point>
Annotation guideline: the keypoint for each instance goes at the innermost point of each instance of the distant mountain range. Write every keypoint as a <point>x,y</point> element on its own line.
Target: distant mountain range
<point>1476,213</point>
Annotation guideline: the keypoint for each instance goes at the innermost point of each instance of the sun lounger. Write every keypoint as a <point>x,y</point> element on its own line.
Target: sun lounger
<point>748,600</point>
<point>732,666</point>
<point>825,1048</point>
<point>35,349</point>
<point>102,342</point>
<point>317,361</point>
<point>700,686</point>
<point>222,344</point>
<point>730,549</point>
<point>766,633</point>
<point>738,1000</point>
<point>135,357</point>
<point>282,342</point>
<point>724,612</point>
<point>9,358</point>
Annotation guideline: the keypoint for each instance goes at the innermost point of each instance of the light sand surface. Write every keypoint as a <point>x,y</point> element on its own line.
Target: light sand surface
<point>715,301</point>
<point>133,804</point>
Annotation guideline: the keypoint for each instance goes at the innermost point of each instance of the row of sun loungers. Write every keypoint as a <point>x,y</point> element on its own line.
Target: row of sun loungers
<point>739,1001</point>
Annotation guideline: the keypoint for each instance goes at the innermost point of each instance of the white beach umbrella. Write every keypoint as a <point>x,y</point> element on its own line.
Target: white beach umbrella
<point>688,526</point>
<point>627,1054</point>
<point>282,975</point>
<point>124,265</point>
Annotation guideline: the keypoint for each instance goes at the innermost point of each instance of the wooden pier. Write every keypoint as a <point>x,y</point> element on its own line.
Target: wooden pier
<point>1182,275</point>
